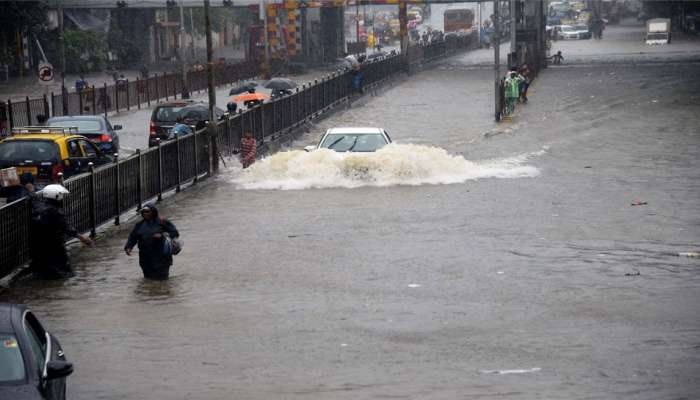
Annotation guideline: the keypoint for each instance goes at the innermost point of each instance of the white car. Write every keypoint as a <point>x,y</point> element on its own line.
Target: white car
<point>360,140</point>
<point>574,32</point>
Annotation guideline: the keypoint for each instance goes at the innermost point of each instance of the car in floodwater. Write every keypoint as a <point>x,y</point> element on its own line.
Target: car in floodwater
<point>46,152</point>
<point>94,127</point>
<point>32,362</point>
<point>355,140</point>
<point>574,32</point>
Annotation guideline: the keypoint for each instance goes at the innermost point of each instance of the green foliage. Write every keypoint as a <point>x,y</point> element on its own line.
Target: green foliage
<point>128,36</point>
<point>24,16</point>
<point>85,51</point>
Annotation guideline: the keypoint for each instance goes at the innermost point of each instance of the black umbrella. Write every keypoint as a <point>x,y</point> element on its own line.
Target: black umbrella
<point>242,88</point>
<point>280,84</point>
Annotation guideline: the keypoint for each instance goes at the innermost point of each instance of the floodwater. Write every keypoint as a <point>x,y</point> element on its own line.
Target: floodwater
<point>474,261</point>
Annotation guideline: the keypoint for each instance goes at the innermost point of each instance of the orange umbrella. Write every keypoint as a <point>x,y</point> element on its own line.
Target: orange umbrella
<point>250,97</point>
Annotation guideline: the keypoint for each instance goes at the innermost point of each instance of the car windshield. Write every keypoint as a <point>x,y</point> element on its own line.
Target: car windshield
<point>360,142</point>
<point>567,29</point>
<point>28,150</point>
<point>580,28</point>
<point>167,114</point>
<point>83,125</point>
<point>11,361</point>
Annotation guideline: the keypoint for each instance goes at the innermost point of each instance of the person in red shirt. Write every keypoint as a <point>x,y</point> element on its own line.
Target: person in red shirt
<point>248,149</point>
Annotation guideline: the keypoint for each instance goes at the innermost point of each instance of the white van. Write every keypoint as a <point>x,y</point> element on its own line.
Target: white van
<point>658,31</point>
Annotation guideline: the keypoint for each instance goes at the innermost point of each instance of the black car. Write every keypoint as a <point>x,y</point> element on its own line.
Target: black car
<point>32,362</point>
<point>94,127</point>
<point>163,118</point>
<point>165,115</point>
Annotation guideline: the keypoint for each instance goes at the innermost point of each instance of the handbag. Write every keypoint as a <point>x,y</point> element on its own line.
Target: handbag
<point>171,246</point>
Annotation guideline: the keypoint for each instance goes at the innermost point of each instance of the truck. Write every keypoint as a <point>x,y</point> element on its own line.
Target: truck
<point>658,31</point>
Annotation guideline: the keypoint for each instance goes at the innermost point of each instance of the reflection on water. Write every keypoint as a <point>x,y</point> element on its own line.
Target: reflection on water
<point>153,291</point>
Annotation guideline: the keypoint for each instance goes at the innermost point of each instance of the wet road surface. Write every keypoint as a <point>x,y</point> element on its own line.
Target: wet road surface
<point>543,284</point>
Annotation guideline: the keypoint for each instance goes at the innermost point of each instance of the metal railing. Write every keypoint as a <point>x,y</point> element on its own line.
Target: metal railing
<point>116,97</point>
<point>105,193</point>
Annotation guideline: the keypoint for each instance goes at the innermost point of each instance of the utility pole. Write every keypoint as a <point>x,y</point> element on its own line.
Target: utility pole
<point>183,62</point>
<point>194,52</point>
<point>211,126</point>
<point>263,14</point>
<point>513,30</point>
<point>61,55</point>
<point>403,22</point>
<point>357,21</point>
<point>497,57</point>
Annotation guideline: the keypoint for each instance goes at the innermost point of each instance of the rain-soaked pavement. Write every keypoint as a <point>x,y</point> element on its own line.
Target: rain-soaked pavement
<point>469,260</point>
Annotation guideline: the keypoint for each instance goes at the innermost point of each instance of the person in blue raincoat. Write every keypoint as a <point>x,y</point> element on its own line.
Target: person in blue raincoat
<point>149,235</point>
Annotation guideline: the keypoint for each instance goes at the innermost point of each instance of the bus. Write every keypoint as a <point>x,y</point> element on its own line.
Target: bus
<point>459,20</point>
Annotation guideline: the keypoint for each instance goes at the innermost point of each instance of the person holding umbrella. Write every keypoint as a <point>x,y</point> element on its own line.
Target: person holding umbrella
<point>280,86</point>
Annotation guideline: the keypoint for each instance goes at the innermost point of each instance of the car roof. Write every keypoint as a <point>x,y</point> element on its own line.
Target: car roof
<point>345,130</point>
<point>179,103</point>
<point>54,137</point>
<point>6,312</point>
<point>78,117</point>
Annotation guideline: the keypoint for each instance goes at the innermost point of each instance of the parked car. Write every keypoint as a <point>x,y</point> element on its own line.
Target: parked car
<point>47,151</point>
<point>360,140</point>
<point>165,115</point>
<point>94,127</point>
<point>32,362</point>
<point>574,32</point>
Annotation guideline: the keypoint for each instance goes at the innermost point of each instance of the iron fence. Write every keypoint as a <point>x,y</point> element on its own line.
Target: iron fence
<point>122,95</point>
<point>106,192</point>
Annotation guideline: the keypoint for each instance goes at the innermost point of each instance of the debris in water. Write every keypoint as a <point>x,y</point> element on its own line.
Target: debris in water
<point>511,371</point>
<point>691,254</point>
<point>639,203</point>
<point>413,285</point>
<point>637,273</point>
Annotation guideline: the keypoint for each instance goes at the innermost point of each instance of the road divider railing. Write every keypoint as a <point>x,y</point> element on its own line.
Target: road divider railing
<point>120,96</point>
<point>106,193</point>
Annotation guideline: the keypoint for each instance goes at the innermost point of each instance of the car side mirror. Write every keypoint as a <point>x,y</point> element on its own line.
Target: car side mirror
<point>309,148</point>
<point>57,369</point>
<point>117,127</point>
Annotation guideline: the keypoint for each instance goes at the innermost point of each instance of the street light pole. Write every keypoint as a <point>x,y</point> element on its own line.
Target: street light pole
<point>61,55</point>
<point>263,13</point>
<point>211,126</point>
<point>185,89</point>
<point>513,32</point>
<point>497,58</point>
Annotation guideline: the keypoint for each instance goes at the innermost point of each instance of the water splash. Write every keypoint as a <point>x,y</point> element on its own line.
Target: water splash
<point>395,164</point>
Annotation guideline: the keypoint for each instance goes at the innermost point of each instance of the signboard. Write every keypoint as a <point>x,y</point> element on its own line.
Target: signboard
<point>45,73</point>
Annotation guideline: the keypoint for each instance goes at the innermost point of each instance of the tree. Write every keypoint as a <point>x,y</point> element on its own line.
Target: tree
<point>128,36</point>
<point>85,50</point>
<point>19,16</point>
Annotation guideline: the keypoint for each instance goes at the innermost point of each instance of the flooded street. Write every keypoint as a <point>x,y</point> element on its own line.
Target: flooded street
<point>468,260</point>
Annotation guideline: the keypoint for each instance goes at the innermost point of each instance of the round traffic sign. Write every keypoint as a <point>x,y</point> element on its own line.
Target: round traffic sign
<point>45,73</point>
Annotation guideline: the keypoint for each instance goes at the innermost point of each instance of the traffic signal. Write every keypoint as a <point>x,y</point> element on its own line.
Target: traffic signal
<point>228,3</point>
<point>170,3</point>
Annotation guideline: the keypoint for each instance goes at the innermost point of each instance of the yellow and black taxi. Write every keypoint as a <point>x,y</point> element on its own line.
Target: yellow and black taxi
<point>46,152</point>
